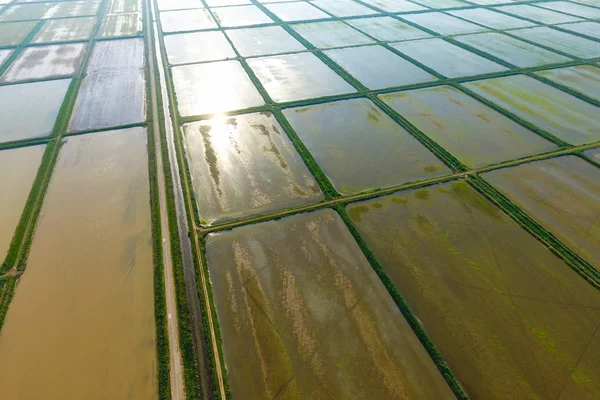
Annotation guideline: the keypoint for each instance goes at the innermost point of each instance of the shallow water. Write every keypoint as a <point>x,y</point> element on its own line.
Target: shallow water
<point>81,323</point>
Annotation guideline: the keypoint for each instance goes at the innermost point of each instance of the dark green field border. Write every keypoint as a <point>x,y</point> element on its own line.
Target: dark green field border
<point>24,143</point>
<point>191,378</point>
<point>163,352</point>
<point>412,319</point>
<point>7,289</point>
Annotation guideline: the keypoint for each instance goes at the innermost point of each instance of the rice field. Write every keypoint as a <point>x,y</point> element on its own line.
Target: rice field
<point>303,199</point>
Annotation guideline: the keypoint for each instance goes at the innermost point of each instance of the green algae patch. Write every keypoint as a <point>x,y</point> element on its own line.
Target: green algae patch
<point>491,297</point>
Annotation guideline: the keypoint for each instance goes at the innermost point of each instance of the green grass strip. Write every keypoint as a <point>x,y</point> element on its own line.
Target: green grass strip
<point>412,320</point>
<point>7,288</point>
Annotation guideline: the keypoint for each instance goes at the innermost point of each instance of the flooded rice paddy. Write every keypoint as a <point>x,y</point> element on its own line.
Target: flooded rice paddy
<point>113,91</point>
<point>468,129</point>
<point>584,79</point>
<point>360,148</point>
<point>23,164</point>
<point>563,195</point>
<point>500,306</point>
<point>244,166</point>
<point>303,315</point>
<point>45,62</point>
<point>447,59</point>
<point>81,324</point>
<point>561,114</point>
<point>279,104</point>
<point>40,101</point>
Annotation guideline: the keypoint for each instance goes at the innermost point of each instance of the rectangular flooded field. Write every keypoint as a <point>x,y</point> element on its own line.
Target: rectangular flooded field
<point>39,101</point>
<point>563,195</point>
<point>388,28</point>
<point>591,29</point>
<point>492,19</point>
<point>263,41</point>
<point>563,115</point>
<point>297,77</point>
<point>4,55</point>
<point>327,34</point>
<point>594,154</point>
<point>60,30</point>
<point>514,51</point>
<point>303,315</point>
<point>392,5</point>
<point>360,148</point>
<point>347,8</point>
<point>447,59</point>
<point>561,41</point>
<point>538,14</point>
<point>444,24</point>
<point>243,166</point>
<point>41,62</point>
<point>81,323</point>
<point>13,33</point>
<point>358,61</point>
<point>186,20</point>
<point>468,129</point>
<point>113,91</point>
<point>118,25</point>
<point>124,6</point>
<point>229,17</point>
<point>213,87</point>
<point>297,11</point>
<point>510,318</point>
<point>50,10</point>
<point>197,47</point>
<point>19,168</point>
<point>584,79</point>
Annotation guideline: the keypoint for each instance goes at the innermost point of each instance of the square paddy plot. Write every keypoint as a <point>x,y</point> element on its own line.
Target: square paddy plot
<point>19,167</point>
<point>221,3</point>
<point>297,11</point>
<point>377,67</point>
<point>468,129</point>
<point>324,35</point>
<point>213,88</point>
<point>186,20</point>
<point>15,12</point>
<point>572,8</point>
<point>593,154</point>
<point>302,313</point>
<point>297,77</point>
<point>538,14</point>
<point>394,6</point>
<point>360,148</point>
<point>121,25</point>
<point>124,6</point>
<point>263,41</point>
<point>565,116</point>
<point>511,50</point>
<point>245,165</point>
<point>344,8</point>
<point>4,54</point>
<point>581,78</point>
<point>447,59</point>
<point>562,195</point>
<point>491,297</point>
<point>591,29</point>
<point>443,24</point>
<point>168,5</point>
<point>65,29</point>
<point>37,104</point>
<point>113,91</point>
<point>492,19</point>
<point>45,62</point>
<point>437,4</point>
<point>197,47</point>
<point>561,41</point>
<point>229,17</point>
<point>13,33</point>
<point>388,29</point>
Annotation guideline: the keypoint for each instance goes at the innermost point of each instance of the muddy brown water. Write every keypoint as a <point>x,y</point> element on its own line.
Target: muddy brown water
<point>511,319</point>
<point>81,323</point>
<point>303,315</point>
<point>19,168</point>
